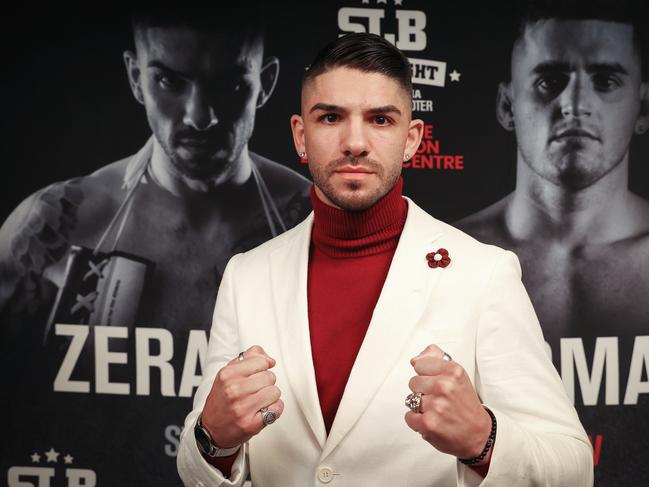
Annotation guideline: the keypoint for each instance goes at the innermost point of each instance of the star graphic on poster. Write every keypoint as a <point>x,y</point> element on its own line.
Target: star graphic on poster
<point>366,1</point>
<point>68,459</point>
<point>455,76</point>
<point>381,1</point>
<point>398,2</point>
<point>36,457</point>
<point>52,455</point>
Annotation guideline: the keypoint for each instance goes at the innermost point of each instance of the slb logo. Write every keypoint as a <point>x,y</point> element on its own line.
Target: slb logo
<point>35,476</point>
<point>410,36</point>
<point>411,24</point>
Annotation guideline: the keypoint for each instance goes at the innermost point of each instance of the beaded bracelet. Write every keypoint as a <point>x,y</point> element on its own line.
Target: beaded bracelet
<point>487,447</point>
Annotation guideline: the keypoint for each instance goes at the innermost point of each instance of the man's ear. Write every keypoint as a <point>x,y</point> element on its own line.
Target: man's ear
<point>504,111</point>
<point>642,123</point>
<point>134,75</point>
<point>297,128</point>
<point>415,133</point>
<point>269,74</point>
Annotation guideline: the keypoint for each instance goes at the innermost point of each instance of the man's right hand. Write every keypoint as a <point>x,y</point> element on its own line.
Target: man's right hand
<point>241,388</point>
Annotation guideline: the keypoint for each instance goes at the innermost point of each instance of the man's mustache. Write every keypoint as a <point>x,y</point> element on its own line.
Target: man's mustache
<point>353,161</point>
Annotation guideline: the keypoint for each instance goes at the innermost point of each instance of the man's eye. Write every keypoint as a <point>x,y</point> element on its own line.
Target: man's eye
<point>232,85</point>
<point>605,81</point>
<point>552,84</point>
<point>168,82</point>
<point>381,120</point>
<point>330,118</point>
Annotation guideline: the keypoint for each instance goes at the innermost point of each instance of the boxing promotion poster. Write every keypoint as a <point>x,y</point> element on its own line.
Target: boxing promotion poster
<point>144,148</point>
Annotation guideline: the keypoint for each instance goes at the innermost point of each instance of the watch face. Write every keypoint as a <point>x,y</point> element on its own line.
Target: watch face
<point>202,440</point>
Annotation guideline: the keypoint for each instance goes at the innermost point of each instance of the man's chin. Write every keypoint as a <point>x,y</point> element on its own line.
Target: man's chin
<point>355,199</point>
<point>202,170</point>
<point>578,171</point>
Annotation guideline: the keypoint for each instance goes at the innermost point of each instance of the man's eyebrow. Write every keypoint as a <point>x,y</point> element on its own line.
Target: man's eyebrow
<point>326,107</point>
<point>607,68</point>
<point>559,66</point>
<point>550,66</point>
<point>385,109</point>
<point>160,65</point>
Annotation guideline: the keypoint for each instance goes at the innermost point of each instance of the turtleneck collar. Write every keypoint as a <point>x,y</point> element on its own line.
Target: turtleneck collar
<point>342,233</point>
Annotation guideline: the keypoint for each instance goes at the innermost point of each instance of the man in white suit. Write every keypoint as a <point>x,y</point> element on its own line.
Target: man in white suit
<point>370,300</point>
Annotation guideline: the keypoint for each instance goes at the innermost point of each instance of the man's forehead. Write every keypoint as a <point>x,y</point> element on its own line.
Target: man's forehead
<point>575,42</point>
<point>353,89</point>
<point>185,49</point>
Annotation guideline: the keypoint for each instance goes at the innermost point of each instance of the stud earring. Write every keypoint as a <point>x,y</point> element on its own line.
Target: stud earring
<point>302,155</point>
<point>406,157</point>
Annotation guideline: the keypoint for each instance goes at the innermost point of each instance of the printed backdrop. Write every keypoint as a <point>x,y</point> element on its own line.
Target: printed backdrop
<point>95,393</point>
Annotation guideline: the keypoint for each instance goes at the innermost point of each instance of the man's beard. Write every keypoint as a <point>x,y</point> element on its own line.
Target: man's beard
<point>204,169</point>
<point>358,200</point>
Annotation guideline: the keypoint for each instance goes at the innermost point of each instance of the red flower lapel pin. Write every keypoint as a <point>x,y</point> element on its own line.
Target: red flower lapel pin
<point>438,259</point>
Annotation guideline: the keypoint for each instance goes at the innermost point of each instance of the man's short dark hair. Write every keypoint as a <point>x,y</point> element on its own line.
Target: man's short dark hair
<point>632,12</point>
<point>365,52</point>
<point>236,19</point>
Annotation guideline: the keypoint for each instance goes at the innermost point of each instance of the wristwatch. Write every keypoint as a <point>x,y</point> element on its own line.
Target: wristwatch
<point>206,444</point>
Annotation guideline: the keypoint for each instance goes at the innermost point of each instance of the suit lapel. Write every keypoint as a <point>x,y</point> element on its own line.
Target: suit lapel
<point>402,300</point>
<point>288,270</point>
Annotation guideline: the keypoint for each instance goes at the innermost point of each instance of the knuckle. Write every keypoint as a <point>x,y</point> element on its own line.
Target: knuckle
<point>275,393</point>
<point>439,407</point>
<point>446,388</point>
<point>457,372</point>
<point>430,422</point>
<point>231,391</point>
<point>436,388</point>
<point>271,376</point>
<point>238,411</point>
<point>420,365</point>
<point>260,363</point>
<point>223,375</point>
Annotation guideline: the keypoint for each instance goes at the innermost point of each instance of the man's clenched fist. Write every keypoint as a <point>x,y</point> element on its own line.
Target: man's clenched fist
<point>241,388</point>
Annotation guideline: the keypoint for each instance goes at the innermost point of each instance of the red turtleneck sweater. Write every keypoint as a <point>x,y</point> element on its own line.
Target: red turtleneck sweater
<point>349,260</point>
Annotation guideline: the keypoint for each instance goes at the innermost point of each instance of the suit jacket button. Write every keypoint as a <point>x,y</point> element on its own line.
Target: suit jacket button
<point>325,475</point>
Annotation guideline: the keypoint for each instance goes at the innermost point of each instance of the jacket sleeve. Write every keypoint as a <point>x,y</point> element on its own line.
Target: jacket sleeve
<point>540,440</point>
<point>223,346</point>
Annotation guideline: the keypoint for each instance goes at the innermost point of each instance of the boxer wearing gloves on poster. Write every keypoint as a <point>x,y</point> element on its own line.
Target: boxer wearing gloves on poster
<point>320,335</point>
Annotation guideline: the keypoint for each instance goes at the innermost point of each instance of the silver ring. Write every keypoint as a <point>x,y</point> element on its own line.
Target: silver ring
<point>240,356</point>
<point>447,357</point>
<point>413,401</point>
<point>267,416</point>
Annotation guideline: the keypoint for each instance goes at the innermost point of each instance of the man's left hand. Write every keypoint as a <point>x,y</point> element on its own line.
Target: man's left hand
<point>451,417</point>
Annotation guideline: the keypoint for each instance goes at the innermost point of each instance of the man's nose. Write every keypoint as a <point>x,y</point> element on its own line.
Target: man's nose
<point>354,141</point>
<point>199,112</point>
<point>576,100</point>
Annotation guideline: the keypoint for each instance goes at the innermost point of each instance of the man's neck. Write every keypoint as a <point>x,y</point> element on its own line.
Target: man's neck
<point>169,178</point>
<point>600,213</point>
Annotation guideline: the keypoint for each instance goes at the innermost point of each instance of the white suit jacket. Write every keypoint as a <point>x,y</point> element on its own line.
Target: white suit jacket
<point>476,309</point>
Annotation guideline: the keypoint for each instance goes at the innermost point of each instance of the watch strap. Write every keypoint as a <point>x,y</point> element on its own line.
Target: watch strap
<point>215,450</point>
